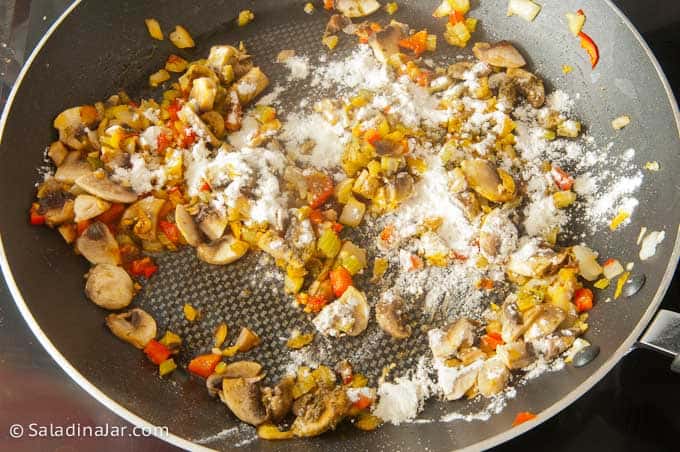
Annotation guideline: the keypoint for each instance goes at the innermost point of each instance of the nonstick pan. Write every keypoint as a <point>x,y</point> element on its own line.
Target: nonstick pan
<point>97,48</point>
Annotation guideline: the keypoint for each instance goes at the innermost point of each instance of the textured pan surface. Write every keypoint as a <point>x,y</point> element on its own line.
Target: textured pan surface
<point>102,47</point>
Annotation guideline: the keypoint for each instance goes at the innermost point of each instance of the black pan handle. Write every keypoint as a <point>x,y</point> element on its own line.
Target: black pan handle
<point>663,336</point>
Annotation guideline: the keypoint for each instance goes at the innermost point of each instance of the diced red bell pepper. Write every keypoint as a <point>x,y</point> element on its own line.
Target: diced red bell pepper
<point>204,365</point>
<point>156,351</point>
<point>341,279</point>
<point>423,78</point>
<point>523,416</point>
<point>315,216</point>
<point>35,217</point>
<point>563,180</point>
<point>163,142</point>
<point>320,187</point>
<point>143,267</point>
<point>329,4</point>
<point>170,230</point>
<point>591,48</point>
<point>113,214</point>
<point>316,302</point>
<point>491,340</point>
<point>173,109</point>
<point>362,403</point>
<point>372,136</point>
<point>81,226</point>
<point>337,227</point>
<point>416,42</point>
<point>205,187</point>
<point>188,137</point>
<point>583,299</point>
<point>387,233</point>
<point>456,17</point>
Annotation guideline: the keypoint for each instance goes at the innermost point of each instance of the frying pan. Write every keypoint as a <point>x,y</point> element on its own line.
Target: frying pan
<point>97,48</point>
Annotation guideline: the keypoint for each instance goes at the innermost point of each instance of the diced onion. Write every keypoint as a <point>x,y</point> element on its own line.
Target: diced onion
<point>612,268</point>
<point>575,22</point>
<point>526,9</point>
<point>588,267</point>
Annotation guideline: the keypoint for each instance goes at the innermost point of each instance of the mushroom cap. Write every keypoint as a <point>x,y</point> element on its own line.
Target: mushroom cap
<point>279,400</point>
<point>109,286</point>
<point>98,245</point>
<point>87,207</point>
<point>321,412</point>
<point>98,184</point>
<point>187,227</point>
<point>357,8</point>
<point>134,326</point>
<point>223,251</point>
<point>244,399</point>
<point>390,315</point>
<point>501,54</point>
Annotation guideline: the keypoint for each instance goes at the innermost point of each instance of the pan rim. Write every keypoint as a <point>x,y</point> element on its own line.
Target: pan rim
<point>500,438</point>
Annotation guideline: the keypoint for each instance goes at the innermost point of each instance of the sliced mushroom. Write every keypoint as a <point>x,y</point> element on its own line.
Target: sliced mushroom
<point>143,217</point>
<point>278,401</point>
<point>251,85</point>
<point>385,42</point>
<point>469,204</point>
<point>237,369</point>
<point>203,91</point>
<point>515,355</point>
<point>535,259</point>
<point>135,326</point>
<point>98,245</point>
<point>213,225</point>
<point>492,377</point>
<point>229,62</point>
<point>455,382</point>
<point>501,54</point>
<point>187,227</point>
<point>531,86</point>
<point>72,122</point>
<point>98,184</point>
<point>57,152</point>
<point>87,207</point>
<point>390,315</point>
<point>190,117</point>
<point>508,91</point>
<point>544,321</point>
<point>357,8</point>
<point>322,412</point>
<point>488,181</point>
<point>109,287</point>
<point>458,70</point>
<point>223,251</point>
<point>555,344</point>
<point>498,235</point>
<point>243,396</point>
<point>346,315</point>
<point>56,206</point>
<point>445,343</point>
<point>72,168</point>
<point>336,23</point>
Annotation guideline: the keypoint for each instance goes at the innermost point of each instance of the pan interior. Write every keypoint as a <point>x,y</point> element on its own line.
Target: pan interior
<point>249,293</point>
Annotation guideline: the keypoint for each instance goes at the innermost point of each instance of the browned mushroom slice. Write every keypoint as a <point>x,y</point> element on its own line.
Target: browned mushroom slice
<point>109,287</point>
<point>530,85</point>
<point>229,62</point>
<point>237,369</point>
<point>223,251</point>
<point>243,396</point>
<point>357,8</point>
<point>390,315</point>
<point>445,343</point>
<point>98,245</point>
<point>321,412</point>
<point>458,70</point>
<point>544,322</point>
<point>187,227</point>
<point>98,184</point>
<point>385,42</point>
<point>72,168</point>
<point>337,23</point>
<point>213,225</point>
<point>246,340</point>
<point>498,234</point>
<point>56,206</point>
<point>71,124</point>
<point>346,315</point>
<point>535,259</point>
<point>515,355</point>
<point>278,401</point>
<point>501,54</point>
<point>492,377</point>
<point>488,181</point>
<point>251,85</point>
<point>57,152</point>
<point>135,326</point>
<point>549,347</point>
